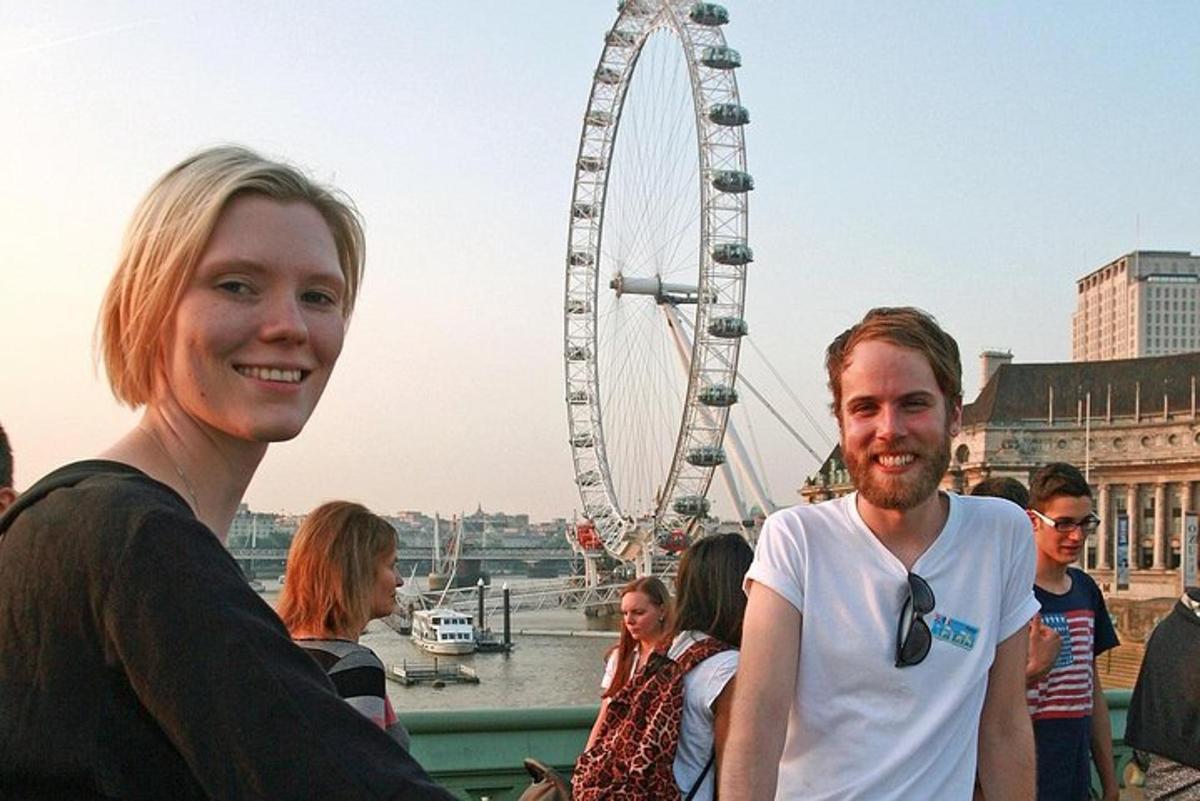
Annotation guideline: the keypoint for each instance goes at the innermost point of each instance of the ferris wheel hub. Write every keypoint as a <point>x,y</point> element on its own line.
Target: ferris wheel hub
<point>654,287</point>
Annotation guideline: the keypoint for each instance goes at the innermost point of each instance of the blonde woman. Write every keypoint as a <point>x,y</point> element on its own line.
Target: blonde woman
<point>341,574</point>
<point>136,660</point>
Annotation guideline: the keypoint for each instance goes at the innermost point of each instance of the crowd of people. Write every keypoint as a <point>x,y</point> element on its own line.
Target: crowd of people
<point>901,642</point>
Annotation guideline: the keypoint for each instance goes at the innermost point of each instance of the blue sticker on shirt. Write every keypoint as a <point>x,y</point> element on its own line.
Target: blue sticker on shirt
<point>954,631</point>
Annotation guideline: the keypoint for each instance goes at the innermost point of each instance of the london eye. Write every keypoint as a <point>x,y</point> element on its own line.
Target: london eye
<point>656,263</point>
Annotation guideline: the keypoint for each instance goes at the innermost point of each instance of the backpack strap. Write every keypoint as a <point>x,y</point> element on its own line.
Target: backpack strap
<point>698,651</point>
<point>696,787</point>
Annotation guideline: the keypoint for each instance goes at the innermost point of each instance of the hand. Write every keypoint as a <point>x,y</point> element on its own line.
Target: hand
<point>1044,644</point>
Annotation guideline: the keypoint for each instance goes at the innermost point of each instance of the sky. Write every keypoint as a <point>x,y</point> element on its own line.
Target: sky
<point>973,159</point>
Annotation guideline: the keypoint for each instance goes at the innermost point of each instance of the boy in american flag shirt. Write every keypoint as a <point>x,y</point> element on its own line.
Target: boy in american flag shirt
<point>1070,715</point>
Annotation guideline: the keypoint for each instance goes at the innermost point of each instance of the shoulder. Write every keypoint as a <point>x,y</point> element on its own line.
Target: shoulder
<point>106,512</point>
<point>808,521</point>
<point>1085,585</point>
<point>996,513</point>
<point>1082,580</point>
<point>342,655</point>
<point>100,491</point>
<point>997,523</point>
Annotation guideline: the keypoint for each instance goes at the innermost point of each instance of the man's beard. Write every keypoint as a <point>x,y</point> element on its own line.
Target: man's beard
<point>902,491</point>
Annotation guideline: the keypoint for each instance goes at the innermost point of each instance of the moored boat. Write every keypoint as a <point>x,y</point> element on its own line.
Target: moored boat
<point>443,631</point>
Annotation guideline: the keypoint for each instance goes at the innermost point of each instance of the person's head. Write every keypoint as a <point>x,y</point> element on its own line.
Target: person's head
<point>340,571</point>
<point>1003,487</point>
<point>1060,509</point>
<point>233,267</point>
<point>896,379</point>
<point>7,493</point>
<point>645,618</point>
<point>708,587</point>
<point>645,606</point>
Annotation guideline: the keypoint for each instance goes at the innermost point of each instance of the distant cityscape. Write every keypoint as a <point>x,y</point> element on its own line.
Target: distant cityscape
<point>415,529</point>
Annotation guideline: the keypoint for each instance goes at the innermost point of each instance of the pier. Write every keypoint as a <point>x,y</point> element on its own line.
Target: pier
<point>410,673</point>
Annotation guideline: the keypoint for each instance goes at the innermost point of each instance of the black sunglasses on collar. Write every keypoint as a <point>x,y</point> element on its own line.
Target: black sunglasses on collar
<point>913,637</point>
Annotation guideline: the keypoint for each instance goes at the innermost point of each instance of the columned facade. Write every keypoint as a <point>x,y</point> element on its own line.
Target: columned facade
<point>1132,426</point>
<point>1104,533</point>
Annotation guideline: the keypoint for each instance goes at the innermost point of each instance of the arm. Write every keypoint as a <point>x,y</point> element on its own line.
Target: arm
<point>1102,750</point>
<point>722,713</point>
<point>763,698</point>
<point>1044,644</point>
<point>208,659</point>
<point>1006,765</point>
<point>610,671</point>
<point>596,726</point>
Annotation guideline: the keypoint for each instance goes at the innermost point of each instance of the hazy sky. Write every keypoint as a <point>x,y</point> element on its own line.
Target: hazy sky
<point>972,159</point>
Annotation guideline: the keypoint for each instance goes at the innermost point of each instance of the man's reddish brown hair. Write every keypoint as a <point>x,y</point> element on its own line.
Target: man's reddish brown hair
<point>905,327</point>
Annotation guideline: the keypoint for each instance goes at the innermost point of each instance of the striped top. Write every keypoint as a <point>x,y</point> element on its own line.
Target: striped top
<point>1081,619</point>
<point>359,677</point>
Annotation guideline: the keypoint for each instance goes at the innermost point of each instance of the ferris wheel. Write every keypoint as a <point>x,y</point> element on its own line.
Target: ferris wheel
<point>656,263</point>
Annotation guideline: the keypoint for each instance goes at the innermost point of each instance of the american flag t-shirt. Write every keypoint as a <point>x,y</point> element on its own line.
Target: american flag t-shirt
<point>1066,691</point>
<point>1081,619</point>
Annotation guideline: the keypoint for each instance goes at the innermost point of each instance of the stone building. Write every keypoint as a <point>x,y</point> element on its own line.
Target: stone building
<point>1131,425</point>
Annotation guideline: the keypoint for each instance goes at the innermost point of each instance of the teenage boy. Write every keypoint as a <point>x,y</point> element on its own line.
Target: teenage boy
<point>1044,641</point>
<point>1070,715</point>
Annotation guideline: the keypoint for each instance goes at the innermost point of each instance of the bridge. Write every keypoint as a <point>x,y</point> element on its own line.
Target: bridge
<point>411,555</point>
<point>546,594</point>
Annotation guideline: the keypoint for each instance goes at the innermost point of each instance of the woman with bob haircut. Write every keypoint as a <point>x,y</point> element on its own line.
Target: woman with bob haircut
<point>341,574</point>
<point>136,660</point>
<point>645,618</point>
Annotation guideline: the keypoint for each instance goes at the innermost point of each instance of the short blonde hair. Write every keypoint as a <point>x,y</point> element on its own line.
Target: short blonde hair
<point>166,236</point>
<point>331,568</point>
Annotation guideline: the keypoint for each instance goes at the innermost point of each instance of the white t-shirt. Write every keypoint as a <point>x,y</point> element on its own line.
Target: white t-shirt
<point>701,686</point>
<point>610,670</point>
<point>861,728</point>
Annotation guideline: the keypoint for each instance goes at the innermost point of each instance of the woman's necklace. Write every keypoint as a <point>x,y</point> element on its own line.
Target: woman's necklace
<point>178,470</point>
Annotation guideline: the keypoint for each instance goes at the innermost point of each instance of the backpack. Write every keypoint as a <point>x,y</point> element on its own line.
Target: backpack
<point>634,752</point>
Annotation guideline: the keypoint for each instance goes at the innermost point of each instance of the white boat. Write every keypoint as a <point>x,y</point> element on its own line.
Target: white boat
<point>443,631</point>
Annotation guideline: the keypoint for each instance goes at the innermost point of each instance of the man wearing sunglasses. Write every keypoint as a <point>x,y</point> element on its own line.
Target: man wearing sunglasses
<point>884,642</point>
<point>1070,715</point>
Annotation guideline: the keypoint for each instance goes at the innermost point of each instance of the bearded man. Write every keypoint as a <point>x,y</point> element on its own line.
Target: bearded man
<point>884,645</point>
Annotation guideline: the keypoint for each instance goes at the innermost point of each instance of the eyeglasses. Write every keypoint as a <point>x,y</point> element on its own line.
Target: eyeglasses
<point>1066,525</point>
<point>913,638</point>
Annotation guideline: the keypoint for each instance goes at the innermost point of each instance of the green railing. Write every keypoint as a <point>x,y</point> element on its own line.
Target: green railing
<point>477,753</point>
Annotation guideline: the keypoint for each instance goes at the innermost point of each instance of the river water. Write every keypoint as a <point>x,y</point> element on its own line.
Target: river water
<point>541,671</point>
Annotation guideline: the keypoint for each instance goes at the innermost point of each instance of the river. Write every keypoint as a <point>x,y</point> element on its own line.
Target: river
<point>540,671</point>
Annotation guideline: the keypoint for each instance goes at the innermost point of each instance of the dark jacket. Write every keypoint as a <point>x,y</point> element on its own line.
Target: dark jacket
<point>136,662</point>
<point>1164,712</point>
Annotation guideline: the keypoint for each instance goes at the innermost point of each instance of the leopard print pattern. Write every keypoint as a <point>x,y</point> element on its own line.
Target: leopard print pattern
<point>634,753</point>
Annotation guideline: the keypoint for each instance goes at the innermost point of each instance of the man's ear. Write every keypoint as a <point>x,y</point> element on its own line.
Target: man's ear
<point>1034,520</point>
<point>956,418</point>
<point>8,497</point>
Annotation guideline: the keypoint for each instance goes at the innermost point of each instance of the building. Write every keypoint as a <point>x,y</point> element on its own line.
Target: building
<point>1141,304</point>
<point>1131,425</point>
<point>260,529</point>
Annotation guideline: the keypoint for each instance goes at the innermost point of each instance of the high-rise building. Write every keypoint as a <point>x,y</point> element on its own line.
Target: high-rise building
<point>1141,304</point>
